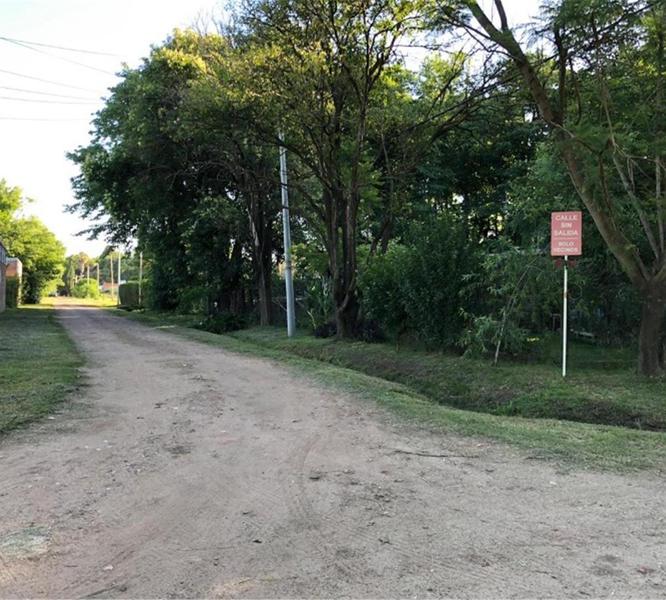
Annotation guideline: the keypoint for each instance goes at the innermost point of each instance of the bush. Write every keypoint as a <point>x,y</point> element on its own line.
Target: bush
<point>420,285</point>
<point>86,289</point>
<point>13,292</point>
<point>325,330</point>
<point>369,331</point>
<point>480,338</point>
<point>521,288</point>
<point>223,323</point>
<point>129,294</point>
<point>318,302</point>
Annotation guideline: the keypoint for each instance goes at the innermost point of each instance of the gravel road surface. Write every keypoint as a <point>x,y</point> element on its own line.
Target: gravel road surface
<point>182,470</point>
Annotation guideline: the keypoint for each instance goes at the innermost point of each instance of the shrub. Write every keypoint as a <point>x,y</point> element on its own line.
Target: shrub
<point>325,330</point>
<point>86,289</point>
<point>223,323</point>
<point>318,301</point>
<point>369,331</point>
<point>382,285</point>
<point>421,285</point>
<point>481,337</point>
<point>13,292</point>
<point>129,294</point>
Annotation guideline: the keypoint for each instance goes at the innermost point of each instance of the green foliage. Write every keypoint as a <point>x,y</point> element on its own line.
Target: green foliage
<point>222,323</point>
<point>85,289</point>
<point>13,292</point>
<point>11,199</point>
<point>318,301</point>
<point>382,283</point>
<point>129,294</point>
<point>420,203</point>
<point>521,291</point>
<point>28,239</point>
<point>484,332</point>
<point>420,286</point>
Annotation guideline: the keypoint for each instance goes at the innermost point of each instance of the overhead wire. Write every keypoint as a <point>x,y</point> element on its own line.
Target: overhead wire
<point>64,48</point>
<point>40,93</point>
<point>49,81</point>
<point>39,101</point>
<point>48,119</point>
<point>55,56</point>
<point>51,97</point>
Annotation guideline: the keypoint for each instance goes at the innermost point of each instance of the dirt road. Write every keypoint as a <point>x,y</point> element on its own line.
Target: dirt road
<point>187,471</point>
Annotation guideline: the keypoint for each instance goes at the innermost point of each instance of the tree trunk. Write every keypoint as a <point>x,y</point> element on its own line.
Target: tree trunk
<point>346,318</point>
<point>265,294</point>
<point>650,359</point>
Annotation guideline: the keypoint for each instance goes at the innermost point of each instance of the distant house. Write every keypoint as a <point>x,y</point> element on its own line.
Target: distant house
<point>3,277</point>
<point>107,287</point>
<point>14,268</point>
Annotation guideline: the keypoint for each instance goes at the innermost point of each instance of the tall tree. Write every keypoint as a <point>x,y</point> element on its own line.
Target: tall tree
<point>316,70</point>
<point>28,239</point>
<point>601,94</point>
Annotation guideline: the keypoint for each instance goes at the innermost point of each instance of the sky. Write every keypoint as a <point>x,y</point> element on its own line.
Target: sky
<point>40,122</point>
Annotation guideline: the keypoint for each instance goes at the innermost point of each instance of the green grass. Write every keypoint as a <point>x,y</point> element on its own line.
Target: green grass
<point>590,394</point>
<point>105,300</point>
<point>38,365</point>
<point>414,385</point>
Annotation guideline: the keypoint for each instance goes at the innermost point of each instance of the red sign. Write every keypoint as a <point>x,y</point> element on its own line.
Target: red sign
<point>566,233</point>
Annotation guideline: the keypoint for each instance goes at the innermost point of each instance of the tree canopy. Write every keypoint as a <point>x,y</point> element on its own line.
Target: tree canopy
<point>393,161</point>
<point>28,239</point>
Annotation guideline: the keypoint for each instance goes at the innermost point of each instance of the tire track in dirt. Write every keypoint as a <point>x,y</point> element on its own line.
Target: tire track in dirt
<point>194,472</point>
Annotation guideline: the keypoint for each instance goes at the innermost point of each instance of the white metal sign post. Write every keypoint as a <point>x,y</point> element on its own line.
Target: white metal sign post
<point>566,239</point>
<point>565,313</point>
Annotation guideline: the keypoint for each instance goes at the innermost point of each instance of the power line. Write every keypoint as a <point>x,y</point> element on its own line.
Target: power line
<point>49,81</point>
<point>15,89</point>
<point>40,119</point>
<point>42,101</point>
<point>62,58</point>
<point>65,48</point>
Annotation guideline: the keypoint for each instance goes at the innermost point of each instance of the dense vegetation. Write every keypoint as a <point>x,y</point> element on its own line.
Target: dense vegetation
<point>420,196</point>
<point>29,240</point>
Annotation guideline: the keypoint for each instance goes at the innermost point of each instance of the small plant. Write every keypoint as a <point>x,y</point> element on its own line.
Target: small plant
<point>86,289</point>
<point>223,323</point>
<point>318,305</point>
<point>486,336</point>
<point>129,294</point>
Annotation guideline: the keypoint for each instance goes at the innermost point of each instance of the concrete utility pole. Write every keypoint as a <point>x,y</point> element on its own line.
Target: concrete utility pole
<point>111,267</point>
<point>119,253</point>
<point>87,272</point>
<point>288,279</point>
<point>140,278</point>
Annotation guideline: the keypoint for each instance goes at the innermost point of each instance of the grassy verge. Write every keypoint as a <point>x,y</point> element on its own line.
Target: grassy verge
<point>103,301</point>
<point>341,365</point>
<point>38,365</point>
<point>590,394</point>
